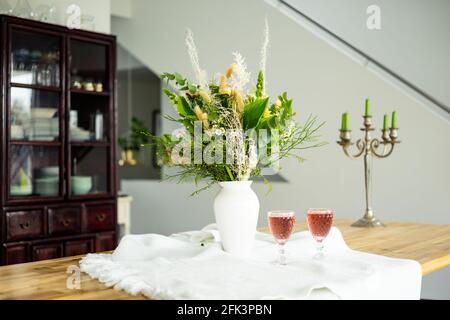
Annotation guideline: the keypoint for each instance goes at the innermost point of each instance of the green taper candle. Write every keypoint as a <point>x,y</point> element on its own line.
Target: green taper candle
<point>394,120</point>
<point>344,124</point>
<point>367,114</point>
<point>386,122</point>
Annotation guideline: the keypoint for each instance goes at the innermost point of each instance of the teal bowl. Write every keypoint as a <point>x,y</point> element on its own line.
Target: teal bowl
<point>81,185</point>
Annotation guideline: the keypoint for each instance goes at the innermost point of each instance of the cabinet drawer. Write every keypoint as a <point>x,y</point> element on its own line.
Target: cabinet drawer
<point>64,221</point>
<point>46,251</point>
<point>14,254</point>
<point>24,225</point>
<point>100,218</point>
<point>105,242</point>
<point>78,247</point>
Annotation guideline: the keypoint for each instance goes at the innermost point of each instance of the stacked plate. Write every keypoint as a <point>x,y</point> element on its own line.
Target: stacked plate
<point>20,191</point>
<point>79,134</point>
<point>44,129</point>
<point>43,126</point>
<point>48,182</point>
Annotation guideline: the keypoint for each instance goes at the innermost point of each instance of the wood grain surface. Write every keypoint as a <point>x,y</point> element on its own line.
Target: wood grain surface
<point>427,244</point>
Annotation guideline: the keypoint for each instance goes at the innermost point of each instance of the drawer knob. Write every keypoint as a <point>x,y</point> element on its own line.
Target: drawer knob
<point>101,217</point>
<point>65,223</point>
<point>25,226</point>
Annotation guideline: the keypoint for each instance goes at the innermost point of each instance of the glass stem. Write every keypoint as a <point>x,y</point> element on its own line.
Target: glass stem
<point>281,254</point>
<point>319,249</point>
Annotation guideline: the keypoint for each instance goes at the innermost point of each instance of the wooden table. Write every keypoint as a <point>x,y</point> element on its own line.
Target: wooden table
<point>428,244</point>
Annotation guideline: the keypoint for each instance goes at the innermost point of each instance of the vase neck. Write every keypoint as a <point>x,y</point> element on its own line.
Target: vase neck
<point>236,184</point>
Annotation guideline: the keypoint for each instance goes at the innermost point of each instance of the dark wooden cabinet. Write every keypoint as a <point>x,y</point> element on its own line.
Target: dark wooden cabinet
<point>22,225</point>
<point>78,247</point>
<point>64,221</point>
<point>14,253</point>
<point>58,185</point>
<point>99,218</point>
<point>105,242</point>
<point>46,251</point>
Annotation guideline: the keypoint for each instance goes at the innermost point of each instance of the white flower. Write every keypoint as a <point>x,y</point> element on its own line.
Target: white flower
<point>180,133</point>
<point>241,77</point>
<point>264,48</point>
<point>195,61</point>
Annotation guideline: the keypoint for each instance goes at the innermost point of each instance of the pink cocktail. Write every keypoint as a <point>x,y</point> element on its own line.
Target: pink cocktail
<point>319,224</point>
<point>281,224</point>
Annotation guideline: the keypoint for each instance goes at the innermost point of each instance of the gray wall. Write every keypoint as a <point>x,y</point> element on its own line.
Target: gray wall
<point>139,95</point>
<point>414,40</point>
<point>413,185</point>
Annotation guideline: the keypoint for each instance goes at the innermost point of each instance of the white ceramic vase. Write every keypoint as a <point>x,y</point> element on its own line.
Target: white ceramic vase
<point>236,208</point>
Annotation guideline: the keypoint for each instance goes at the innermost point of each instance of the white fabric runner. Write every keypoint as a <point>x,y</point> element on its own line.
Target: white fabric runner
<point>193,266</point>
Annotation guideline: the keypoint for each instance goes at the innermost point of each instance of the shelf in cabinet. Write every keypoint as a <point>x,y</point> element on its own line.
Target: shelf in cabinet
<point>35,87</point>
<point>90,196</point>
<point>90,144</point>
<point>32,143</point>
<point>92,93</point>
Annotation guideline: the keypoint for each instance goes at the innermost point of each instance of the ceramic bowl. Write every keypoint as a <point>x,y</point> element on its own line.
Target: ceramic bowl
<point>47,186</point>
<point>47,172</point>
<point>81,185</point>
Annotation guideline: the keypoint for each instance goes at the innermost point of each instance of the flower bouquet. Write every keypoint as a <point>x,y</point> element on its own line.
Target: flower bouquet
<point>230,132</point>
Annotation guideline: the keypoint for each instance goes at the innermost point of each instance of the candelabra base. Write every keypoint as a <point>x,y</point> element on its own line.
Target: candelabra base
<point>368,223</point>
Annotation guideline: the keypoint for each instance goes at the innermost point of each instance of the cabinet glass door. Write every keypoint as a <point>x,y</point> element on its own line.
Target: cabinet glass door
<point>89,127</point>
<point>35,59</point>
<point>34,114</point>
<point>90,173</point>
<point>34,171</point>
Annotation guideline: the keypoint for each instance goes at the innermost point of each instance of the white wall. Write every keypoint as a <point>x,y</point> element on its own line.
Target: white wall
<point>100,9</point>
<point>121,8</point>
<point>413,185</point>
<point>414,39</point>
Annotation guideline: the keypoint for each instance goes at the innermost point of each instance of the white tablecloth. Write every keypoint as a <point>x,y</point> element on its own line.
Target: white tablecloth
<point>193,266</point>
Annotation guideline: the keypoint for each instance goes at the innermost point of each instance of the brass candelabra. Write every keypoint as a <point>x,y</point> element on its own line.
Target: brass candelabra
<point>368,148</point>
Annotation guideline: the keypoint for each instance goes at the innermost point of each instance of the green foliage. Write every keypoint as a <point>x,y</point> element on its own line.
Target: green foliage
<point>181,82</point>
<point>224,112</point>
<point>260,85</point>
<point>184,108</point>
<point>137,138</point>
<point>172,96</point>
<point>253,113</point>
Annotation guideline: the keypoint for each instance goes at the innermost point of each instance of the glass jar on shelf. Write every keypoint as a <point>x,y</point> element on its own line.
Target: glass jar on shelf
<point>77,82</point>
<point>97,126</point>
<point>88,85</point>
<point>98,86</point>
